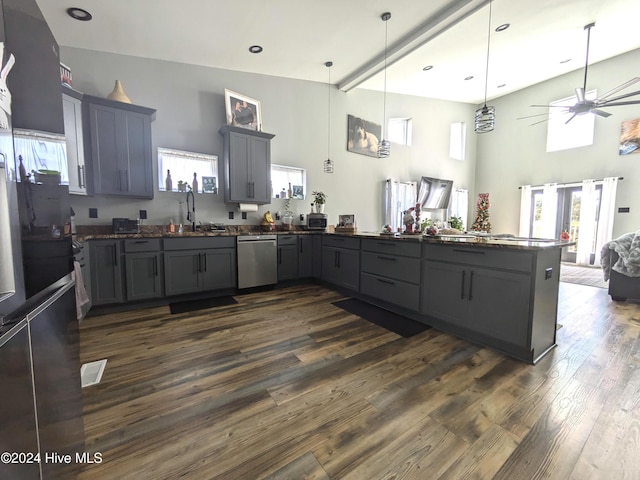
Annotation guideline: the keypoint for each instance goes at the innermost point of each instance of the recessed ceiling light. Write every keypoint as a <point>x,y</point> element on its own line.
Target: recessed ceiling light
<point>469,77</point>
<point>79,14</point>
<point>503,27</point>
<point>565,61</point>
<point>428,67</point>
<point>255,49</point>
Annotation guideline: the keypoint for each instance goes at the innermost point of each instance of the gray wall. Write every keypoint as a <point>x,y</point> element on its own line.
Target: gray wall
<point>190,110</point>
<point>515,153</point>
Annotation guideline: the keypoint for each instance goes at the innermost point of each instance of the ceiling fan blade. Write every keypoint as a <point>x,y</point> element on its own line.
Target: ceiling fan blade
<point>600,113</point>
<point>532,116</point>
<point>541,121</point>
<point>599,103</point>
<point>615,104</point>
<point>620,87</point>
<point>572,117</point>
<point>550,106</point>
<point>580,94</point>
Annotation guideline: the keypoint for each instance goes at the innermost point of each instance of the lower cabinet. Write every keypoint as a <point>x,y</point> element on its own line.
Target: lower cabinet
<point>189,270</point>
<point>341,262</point>
<point>106,272</point>
<point>287,257</point>
<point>143,275</point>
<point>306,256</point>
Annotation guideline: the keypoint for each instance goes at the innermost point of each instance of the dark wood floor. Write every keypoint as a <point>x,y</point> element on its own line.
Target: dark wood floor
<point>284,385</point>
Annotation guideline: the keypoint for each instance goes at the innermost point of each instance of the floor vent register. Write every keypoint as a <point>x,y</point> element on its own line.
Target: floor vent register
<point>91,373</point>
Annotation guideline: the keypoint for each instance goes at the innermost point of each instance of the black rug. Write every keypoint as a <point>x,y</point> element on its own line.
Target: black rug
<point>391,321</point>
<point>203,304</point>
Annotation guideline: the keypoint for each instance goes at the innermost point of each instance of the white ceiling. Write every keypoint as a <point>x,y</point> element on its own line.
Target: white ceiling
<point>299,36</point>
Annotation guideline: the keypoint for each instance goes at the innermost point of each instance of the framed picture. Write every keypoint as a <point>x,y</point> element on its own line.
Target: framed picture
<point>630,137</point>
<point>346,220</point>
<point>362,136</point>
<point>209,185</point>
<point>242,111</point>
<point>297,192</point>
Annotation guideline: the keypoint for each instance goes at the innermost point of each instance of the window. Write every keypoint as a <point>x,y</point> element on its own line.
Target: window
<point>176,170</point>
<point>457,140</point>
<point>400,131</point>
<point>577,133</point>
<point>283,178</point>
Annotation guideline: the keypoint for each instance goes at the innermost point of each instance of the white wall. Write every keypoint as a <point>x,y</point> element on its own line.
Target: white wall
<point>515,153</point>
<point>190,110</point>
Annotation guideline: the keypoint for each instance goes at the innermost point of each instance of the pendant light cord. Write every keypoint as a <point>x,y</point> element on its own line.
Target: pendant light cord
<point>386,18</point>
<point>486,76</point>
<point>329,64</point>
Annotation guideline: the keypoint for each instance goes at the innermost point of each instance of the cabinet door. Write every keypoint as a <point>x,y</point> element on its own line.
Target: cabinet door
<point>107,150</point>
<point>499,304</point>
<point>260,174</point>
<point>349,268</point>
<point>72,108</point>
<point>444,292</point>
<point>143,275</point>
<point>138,156</point>
<point>330,271</point>
<point>239,167</point>
<point>182,272</point>
<point>287,262</point>
<point>219,268</point>
<point>106,272</point>
<point>305,256</point>
<point>316,261</point>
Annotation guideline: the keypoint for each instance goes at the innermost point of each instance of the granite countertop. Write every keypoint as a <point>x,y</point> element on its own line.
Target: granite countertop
<point>491,241</point>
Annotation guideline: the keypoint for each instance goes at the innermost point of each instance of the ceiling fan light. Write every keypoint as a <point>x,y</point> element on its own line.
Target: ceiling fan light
<point>384,149</point>
<point>485,119</point>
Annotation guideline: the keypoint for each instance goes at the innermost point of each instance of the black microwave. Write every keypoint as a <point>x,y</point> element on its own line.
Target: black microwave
<point>125,225</point>
<point>317,221</point>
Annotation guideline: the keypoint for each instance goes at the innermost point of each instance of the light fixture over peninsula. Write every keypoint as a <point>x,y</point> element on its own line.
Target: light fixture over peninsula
<point>384,146</point>
<point>328,163</point>
<point>485,117</point>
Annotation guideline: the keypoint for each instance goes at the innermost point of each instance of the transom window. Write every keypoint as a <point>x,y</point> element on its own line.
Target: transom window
<point>284,178</point>
<point>577,133</point>
<point>176,170</point>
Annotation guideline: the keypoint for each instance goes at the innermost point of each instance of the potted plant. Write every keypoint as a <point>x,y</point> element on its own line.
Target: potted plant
<point>182,186</point>
<point>287,217</point>
<point>320,199</point>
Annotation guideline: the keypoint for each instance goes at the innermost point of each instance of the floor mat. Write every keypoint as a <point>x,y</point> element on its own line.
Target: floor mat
<point>203,304</point>
<point>391,321</point>
<point>589,276</point>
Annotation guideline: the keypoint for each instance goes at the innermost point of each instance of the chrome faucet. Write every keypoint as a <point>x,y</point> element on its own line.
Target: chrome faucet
<point>191,209</point>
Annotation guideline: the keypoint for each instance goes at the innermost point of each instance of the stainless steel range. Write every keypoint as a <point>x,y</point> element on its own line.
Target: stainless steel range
<point>257,260</point>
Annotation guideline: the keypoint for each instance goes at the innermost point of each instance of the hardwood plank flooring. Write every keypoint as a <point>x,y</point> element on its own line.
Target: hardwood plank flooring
<point>284,385</point>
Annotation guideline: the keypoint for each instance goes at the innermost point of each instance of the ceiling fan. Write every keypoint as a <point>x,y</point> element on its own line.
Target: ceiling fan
<point>584,105</point>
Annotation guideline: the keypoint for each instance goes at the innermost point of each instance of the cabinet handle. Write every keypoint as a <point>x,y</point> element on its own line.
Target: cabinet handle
<point>199,262</point>
<point>84,177</point>
<point>476,252</point>
<point>115,257</point>
<point>155,266</point>
<point>253,190</point>
<point>335,258</point>
<point>279,256</point>
<point>338,252</point>
<point>386,244</point>
<point>141,241</point>
<point>300,242</point>
<point>204,256</point>
<point>388,282</point>
<point>471,285</point>
<point>464,274</point>
<point>387,258</point>
<point>248,189</point>
<point>80,182</point>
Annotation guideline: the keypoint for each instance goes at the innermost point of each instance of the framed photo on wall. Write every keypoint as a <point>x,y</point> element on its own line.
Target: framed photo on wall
<point>242,111</point>
<point>362,136</point>
<point>630,137</point>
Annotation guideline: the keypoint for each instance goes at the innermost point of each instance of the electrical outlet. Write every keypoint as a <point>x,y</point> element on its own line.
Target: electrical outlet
<point>143,215</point>
<point>230,215</point>
<point>244,215</point>
<point>623,210</point>
<point>93,213</point>
<point>302,217</point>
<point>548,273</point>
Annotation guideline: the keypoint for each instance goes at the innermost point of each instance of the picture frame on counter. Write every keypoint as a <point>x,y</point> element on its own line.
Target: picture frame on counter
<point>297,192</point>
<point>242,111</point>
<point>347,220</point>
<point>209,185</point>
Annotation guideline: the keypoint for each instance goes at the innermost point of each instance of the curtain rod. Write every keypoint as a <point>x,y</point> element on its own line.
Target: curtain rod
<point>560,185</point>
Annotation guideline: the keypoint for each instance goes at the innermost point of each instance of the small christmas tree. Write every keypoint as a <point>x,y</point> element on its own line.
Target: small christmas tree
<point>482,223</point>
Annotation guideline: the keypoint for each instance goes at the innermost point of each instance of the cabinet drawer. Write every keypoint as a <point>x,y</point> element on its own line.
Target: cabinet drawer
<point>198,243</point>
<point>396,247</point>
<point>391,266</point>
<point>142,245</point>
<point>483,257</point>
<point>287,239</point>
<point>400,293</point>
<point>341,242</point>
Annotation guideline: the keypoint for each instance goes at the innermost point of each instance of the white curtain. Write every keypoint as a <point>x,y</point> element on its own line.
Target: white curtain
<point>607,212</point>
<point>460,205</point>
<point>549,211</point>
<point>399,196</point>
<point>525,211</point>
<point>587,222</point>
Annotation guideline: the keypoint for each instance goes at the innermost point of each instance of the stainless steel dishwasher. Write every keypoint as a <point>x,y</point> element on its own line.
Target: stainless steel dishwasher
<point>257,260</point>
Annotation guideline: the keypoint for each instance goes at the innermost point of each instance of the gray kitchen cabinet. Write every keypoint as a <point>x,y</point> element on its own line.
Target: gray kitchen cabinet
<point>106,272</point>
<point>143,269</point>
<point>287,257</point>
<point>341,261</point>
<point>305,256</point>
<point>316,261</point>
<point>72,108</point>
<point>390,271</point>
<point>118,145</point>
<point>247,165</point>
<point>199,264</point>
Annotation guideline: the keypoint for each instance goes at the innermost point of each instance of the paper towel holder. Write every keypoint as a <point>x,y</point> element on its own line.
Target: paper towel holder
<point>247,207</point>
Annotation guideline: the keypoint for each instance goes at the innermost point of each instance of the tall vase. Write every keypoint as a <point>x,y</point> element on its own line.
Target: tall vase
<point>319,207</point>
<point>118,94</point>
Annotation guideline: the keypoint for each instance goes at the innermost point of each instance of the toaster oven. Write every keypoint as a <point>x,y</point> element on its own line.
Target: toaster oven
<point>316,221</point>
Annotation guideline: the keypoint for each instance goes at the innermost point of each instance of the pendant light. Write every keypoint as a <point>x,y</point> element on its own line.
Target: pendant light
<point>328,163</point>
<point>485,118</point>
<point>384,147</point>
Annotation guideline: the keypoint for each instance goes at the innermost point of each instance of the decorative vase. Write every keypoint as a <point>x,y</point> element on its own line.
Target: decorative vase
<point>319,207</point>
<point>118,94</point>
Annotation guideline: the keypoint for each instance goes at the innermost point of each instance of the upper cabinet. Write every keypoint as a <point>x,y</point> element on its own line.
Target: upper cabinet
<point>118,147</point>
<point>72,108</point>
<point>247,165</point>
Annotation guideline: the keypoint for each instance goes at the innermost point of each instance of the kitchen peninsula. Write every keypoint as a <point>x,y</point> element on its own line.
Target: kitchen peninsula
<point>501,292</point>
